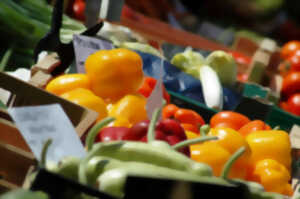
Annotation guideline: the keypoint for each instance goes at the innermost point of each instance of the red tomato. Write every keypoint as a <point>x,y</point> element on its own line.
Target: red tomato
<point>255,125</point>
<point>289,48</point>
<point>291,83</point>
<point>294,104</point>
<point>242,77</point>
<point>240,58</point>
<point>284,68</point>
<point>229,119</point>
<point>79,9</point>
<point>294,60</point>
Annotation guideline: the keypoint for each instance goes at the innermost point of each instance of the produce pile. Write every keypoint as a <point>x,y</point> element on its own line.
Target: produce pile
<point>290,71</point>
<point>134,145</point>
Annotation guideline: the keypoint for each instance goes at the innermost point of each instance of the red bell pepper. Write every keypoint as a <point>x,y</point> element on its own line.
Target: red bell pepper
<point>168,130</point>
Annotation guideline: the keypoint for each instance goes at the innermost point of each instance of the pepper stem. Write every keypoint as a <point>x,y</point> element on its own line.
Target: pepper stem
<point>193,141</point>
<point>276,128</point>
<point>90,139</point>
<point>44,153</point>
<point>229,163</point>
<point>151,128</point>
<point>204,130</point>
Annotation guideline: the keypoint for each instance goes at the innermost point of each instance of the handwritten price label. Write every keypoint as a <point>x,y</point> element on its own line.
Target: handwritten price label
<point>39,123</point>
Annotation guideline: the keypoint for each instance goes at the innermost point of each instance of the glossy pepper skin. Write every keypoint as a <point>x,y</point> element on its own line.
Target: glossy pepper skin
<point>255,125</point>
<point>231,141</point>
<point>87,99</point>
<point>67,82</point>
<point>167,130</point>
<point>273,176</point>
<point>212,154</point>
<point>216,153</point>
<point>229,119</point>
<point>130,107</point>
<point>113,134</point>
<point>189,119</point>
<point>114,73</point>
<point>272,144</point>
<point>147,87</point>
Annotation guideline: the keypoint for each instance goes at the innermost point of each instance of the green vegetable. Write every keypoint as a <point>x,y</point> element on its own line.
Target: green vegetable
<point>24,194</point>
<point>113,181</point>
<point>146,48</point>
<point>25,22</point>
<point>224,65</point>
<point>68,167</point>
<point>189,61</point>
<point>6,58</point>
<point>158,153</point>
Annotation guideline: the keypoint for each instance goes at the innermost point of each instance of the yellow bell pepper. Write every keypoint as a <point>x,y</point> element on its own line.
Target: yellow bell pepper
<point>217,152</point>
<point>270,144</point>
<point>131,107</point>
<point>120,122</point>
<point>67,82</point>
<point>87,99</point>
<point>273,176</point>
<point>114,73</point>
<point>212,154</point>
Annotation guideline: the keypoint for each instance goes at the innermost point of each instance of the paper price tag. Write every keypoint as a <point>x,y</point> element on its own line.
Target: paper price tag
<point>155,100</point>
<point>39,123</point>
<point>84,46</point>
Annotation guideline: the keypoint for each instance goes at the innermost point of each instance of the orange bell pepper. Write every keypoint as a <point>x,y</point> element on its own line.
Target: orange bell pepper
<point>255,125</point>
<point>114,73</point>
<point>190,127</point>
<point>87,99</point>
<point>273,176</point>
<point>189,119</point>
<point>189,116</point>
<point>169,111</point>
<point>229,119</point>
<point>130,107</point>
<point>67,82</point>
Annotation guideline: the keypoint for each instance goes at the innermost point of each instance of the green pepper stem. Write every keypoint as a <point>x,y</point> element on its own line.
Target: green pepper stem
<point>229,163</point>
<point>276,128</point>
<point>44,153</point>
<point>193,141</point>
<point>90,139</point>
<point>151,128</point>
<point>204,130</point>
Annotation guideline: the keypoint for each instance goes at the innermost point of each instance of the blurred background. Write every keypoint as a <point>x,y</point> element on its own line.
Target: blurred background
<point>220,20</point>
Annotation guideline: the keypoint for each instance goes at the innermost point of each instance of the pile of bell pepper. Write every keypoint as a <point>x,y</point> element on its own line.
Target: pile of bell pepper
<point>266,160</point>
<point>113,85</point>
<point>108,164</point>
<point>290,71</point>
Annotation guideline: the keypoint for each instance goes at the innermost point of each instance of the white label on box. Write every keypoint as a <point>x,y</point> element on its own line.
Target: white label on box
<point>155,100</point>
<point>85,46</point>
<point>39,123</point>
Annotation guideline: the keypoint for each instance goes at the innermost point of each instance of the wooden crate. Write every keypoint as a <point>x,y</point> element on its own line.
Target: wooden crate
<point>14,166</point>
<point>30,94</point>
